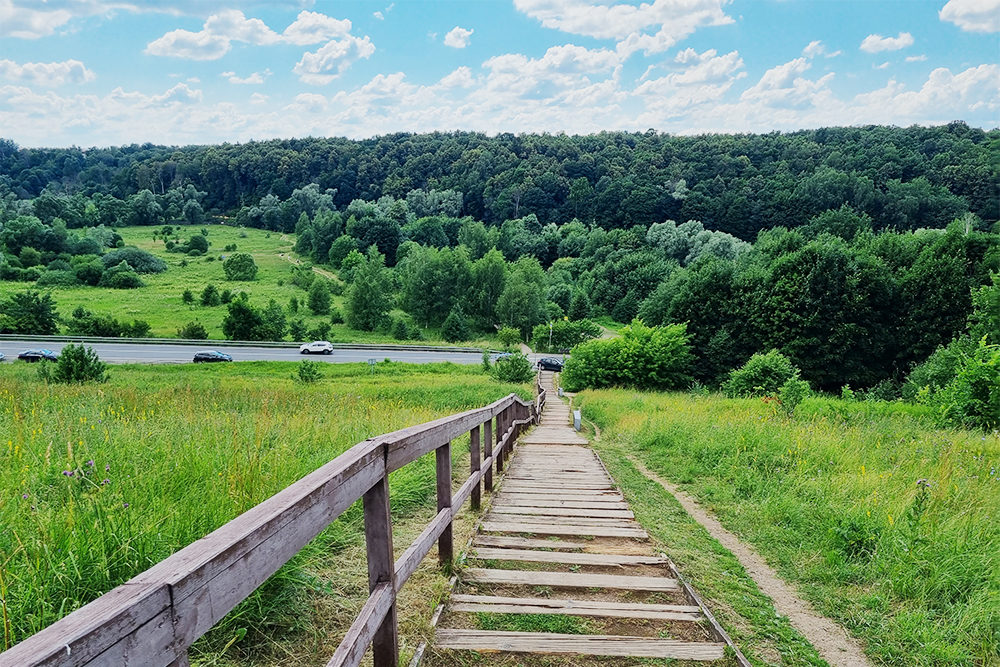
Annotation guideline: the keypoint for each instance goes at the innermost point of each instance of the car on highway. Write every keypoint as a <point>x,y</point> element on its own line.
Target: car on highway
<point>208,356</point>
<point>32,356</point>
<point>316,347</point>
<point>2,357</point>
<point>550,364</point>
<point>501,355</point>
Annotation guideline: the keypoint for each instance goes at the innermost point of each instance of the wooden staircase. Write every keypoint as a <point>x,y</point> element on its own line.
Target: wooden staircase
<point>560,540</point>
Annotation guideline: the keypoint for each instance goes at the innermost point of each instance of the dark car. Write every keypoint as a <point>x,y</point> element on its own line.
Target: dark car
<point>550,364</point>
<point>206,356</point>
<point>37,355</point>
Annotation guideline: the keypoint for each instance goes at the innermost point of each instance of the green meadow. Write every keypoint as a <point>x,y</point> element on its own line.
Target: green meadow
<point>160,302</point>
<point>885,523</point>
<point>100,482</point>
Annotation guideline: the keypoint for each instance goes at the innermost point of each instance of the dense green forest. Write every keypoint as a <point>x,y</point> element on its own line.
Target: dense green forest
<point>857,252</point>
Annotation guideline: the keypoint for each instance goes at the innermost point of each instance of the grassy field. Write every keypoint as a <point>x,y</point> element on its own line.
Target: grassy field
<point>159,303</point>
<point>102,481</point>
<point>886,524</point>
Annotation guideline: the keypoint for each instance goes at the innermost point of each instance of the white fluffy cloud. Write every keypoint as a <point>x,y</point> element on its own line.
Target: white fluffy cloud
<point>47,75</point>
<point>460,78</point>
<point>458,38</point>
<point>877,43</point>
<point>650,27</point>
<point>30,21</point>
<point>813,49</point>
<point>705,79</point>
<point>785,87</point>
<point>259,98</point>
<point>332,59</point>
<point>215,38</point>
<point>973,15</point>
<point>916,59</point>
<point>256,78</point>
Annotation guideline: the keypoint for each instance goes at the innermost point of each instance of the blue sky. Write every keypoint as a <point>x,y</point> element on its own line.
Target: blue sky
<point>112,72</point>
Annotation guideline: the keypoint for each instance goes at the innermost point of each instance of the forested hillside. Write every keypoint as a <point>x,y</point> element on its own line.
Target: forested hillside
<point>857,252</point>
<point>904,178</point>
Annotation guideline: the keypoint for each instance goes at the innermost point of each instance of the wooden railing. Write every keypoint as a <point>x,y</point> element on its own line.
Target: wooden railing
<point>152,620</point>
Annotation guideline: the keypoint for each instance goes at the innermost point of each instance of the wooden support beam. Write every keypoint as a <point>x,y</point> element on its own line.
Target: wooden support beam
<point>488,454</point>
<point>381,571</point>
<point>474,464</point>
<point>443,459</point>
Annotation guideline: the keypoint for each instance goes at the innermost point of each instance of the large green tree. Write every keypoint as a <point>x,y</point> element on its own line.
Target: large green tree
<point>368,302</point>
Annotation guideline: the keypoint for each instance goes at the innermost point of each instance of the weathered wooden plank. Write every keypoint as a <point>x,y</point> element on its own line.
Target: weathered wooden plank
<point>474,466</point>
<point>502,605</point>
<point>552,529</point>
<point>381,569</point>
<point>464,491</point>
<point>407,563</point>
<point>505,541</point>
<point>562,520</point>
<point>607,645</point>
<point>442,456</point>
<point>352,648</point>
<point>595,496</point>
<point>528,556</point>
<point>569,580</point>
<point>514,501</point>
<point>562,603</point>
<point>556,486</point>
<point>488,455</point>
<point>561,511</point>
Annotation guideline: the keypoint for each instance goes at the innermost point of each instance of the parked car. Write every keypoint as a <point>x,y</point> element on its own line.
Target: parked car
<point>550,364</point>
<point>501,355</point>
<point>207,356</point>
<point>32,356</point>
<point>2,357</point>
<point>316,347</point>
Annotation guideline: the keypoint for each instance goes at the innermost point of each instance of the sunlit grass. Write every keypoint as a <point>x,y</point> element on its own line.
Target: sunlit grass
<point>99,482</point>
<point>887,524</point>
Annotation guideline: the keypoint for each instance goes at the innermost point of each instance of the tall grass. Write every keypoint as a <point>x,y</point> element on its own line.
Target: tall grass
<point>99,482</point>
<point>887,524</point>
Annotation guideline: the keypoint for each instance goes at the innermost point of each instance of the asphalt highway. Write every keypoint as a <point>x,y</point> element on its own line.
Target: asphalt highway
<point>121,353</point>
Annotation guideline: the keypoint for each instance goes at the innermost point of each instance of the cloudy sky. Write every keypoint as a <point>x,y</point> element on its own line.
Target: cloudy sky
<point>112,72</point>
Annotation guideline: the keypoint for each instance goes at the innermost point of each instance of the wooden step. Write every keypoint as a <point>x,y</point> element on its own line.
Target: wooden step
<point>528,556</point>
<point>562,511</point>
<point>504,605</point>
<point>504,541</point>
<point>568,580</point>
<point>552,529</point>
<point>598,504</point>
<point>545,642</point>
<point>562,520</point>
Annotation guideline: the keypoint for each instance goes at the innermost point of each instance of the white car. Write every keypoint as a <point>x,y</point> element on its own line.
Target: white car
<point>316,347</point>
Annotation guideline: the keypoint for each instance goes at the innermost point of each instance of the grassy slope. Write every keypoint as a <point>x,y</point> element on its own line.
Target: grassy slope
<point>162,455</point>
<point>160,304</point>
<point>832,500</point>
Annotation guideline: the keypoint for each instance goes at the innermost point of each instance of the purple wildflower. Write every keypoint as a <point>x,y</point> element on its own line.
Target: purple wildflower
<point>90,463</point>
<point>106,481</point>
<point>24,496</point>
<point>126,505</point>
<point>107,467</point>
<point>68,473</point>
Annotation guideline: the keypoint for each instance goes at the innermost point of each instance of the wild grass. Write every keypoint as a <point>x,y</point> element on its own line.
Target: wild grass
<point>887,524</point>
<point>100,482</point>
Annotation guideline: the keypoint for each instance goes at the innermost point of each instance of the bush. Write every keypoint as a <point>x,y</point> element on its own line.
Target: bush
<point>972,398</point>
<point>642,358</point>
<point>297,330</point>
<point>763,375</point>
<point>187,297</point>
<point>336,317</point>
<point>210,295</point>
<point>320,332</point>
<point>123,280</point>
<point>509,337</point>
<point>140,260</point>
<point>90,272</point>
<point>58,279</point>
<point>193,330</point>
<point>319,297</point>
<point>79,364</point>
<point>515,369</point>
<point>563,334</point>
<point>227,296</point>
<point>792,393</point>
<point>399,330</point>
<point>240,266</point>
<point>456,328</point>
<point>309,372</point>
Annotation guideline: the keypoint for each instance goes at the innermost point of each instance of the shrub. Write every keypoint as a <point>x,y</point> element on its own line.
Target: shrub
<point>763,375</point>
<point>972,398</point>
<point>193,330</point>
<point>399,330</point>
<point>79,364</point>
<point>792,393</point>
<point>90,272</point>
<point>140,260</point>
<point>563,334</point>
<point>121,280</point>
<point>336,317</point>
<point>456,328</point>
<point>210,296</point>
<point>240,266</point>
<point>187,297</point>
<point>642,357</point>
<point>515,369</point>
<point>297,330</point>
<point>309,372</point>
<point>227,296</point>
<point>320,332</point>
<point>509,337</point>
<point>58,278</point>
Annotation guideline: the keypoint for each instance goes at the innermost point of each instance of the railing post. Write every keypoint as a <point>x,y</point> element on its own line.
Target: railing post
<point>501,429</point>
<point>488,442</point>
<point>474,464</point>
<point>443,457</point>
<point>381,568</point>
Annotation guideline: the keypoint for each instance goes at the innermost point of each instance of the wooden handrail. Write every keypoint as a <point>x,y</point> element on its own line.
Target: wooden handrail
<point>152,619</point>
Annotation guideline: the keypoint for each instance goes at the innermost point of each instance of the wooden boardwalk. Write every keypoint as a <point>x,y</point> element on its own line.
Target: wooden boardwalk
<point>559,539</point>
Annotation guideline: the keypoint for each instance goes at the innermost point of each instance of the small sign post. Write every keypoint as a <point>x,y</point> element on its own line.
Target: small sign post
<point>371,363</point>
